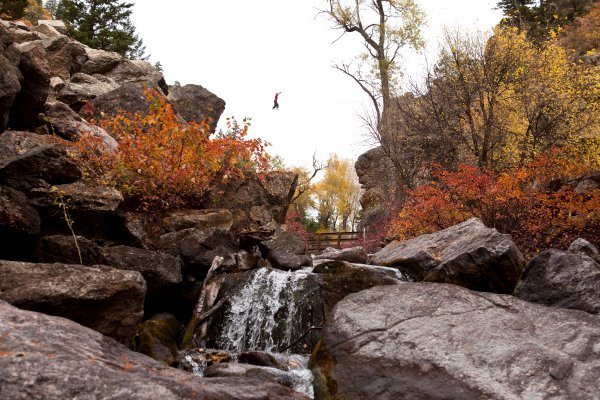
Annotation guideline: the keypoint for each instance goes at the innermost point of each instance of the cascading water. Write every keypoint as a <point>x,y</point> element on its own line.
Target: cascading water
<point>264,315</point>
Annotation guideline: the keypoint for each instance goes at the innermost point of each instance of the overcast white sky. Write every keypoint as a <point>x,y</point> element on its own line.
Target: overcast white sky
<point>245,51</point>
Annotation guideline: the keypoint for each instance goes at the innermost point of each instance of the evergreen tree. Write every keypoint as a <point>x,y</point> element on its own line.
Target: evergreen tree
<point>102,24</point>
<point>52,6</point>
<point>517,12</point>
<point>12,9</point>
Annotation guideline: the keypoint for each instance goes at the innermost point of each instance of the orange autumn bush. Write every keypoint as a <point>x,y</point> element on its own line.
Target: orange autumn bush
<point>162,161</point>
<point>530,203</point>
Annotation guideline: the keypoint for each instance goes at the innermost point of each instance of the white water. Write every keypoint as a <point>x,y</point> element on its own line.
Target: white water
<point>263,306</point>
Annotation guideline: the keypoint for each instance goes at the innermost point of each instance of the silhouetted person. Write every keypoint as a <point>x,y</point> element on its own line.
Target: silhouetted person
<point>276,101</point>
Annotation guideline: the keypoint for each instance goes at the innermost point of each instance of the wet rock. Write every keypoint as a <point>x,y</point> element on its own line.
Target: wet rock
<point>65,249</point>
<point>264,359</point>
<point>562,279</point>
<point>29,102</point>
<point>162,272</point>
<point>196,104</point>
<point>249,371</point>
<point>468,254</point>
<point>256,204</point>
<point>19,225</point>
<point>28,160</point>
<point>39,362</point>
<point>437,341</point>
<point>158,338</point>
<point>286,251</point>
<point>200,219</point>
<point>197,360</point>
<point>352,255</point>
<point>105,299</point>
<point>69,125</point>
<point>339,279</point>
<point>82,88</point>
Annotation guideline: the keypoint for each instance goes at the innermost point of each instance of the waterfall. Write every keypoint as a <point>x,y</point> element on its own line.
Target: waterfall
<point>264,314</point>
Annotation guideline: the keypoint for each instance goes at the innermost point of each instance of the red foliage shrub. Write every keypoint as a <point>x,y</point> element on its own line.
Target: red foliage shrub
<point>534,204</point>
<point>162,161</point>
<point>293,222</point>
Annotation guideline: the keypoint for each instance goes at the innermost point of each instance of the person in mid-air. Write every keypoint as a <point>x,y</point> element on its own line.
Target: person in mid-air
<point>276,101</point>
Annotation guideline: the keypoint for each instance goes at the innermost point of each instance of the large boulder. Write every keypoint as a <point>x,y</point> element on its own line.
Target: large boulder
<point>200,219</point>
<point>66,249</point>
<point>19,225</point>
<point>161,271</point>
<point>196,104</point>
<point>105,299</point>
<point>254,202</point>
<point>158,338</point>
<point>138,71</point>
<point>29,102</point>
<point>67,124</point>
<point>51,358</point>
<point>352,255</point>
<point>286,251</point>
<point>10,78</point>
<point>82,88</point>
<point>93,209</point>
<point>339,279</point>
<point>100,61</point>
<point>562,279</point>
<point>28,160</point>
<point>468,254</point>
<point>437,341</point>
<point>65,56</point>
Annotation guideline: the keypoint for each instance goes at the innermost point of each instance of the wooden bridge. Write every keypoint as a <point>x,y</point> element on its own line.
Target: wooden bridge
<point>338,240</point>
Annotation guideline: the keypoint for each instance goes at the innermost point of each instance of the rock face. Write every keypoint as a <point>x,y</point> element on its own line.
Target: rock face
<point>373,170</point>
<point>28,160</point>
<point>10,79</point>
<point>256,203</point>
<point>200,219</point>
<point>436,341</point>
<point>105,299</point>
<point>19,224</point>
<point>467,254</point>
<point>562,279</point>
<point>196,104</point>
<point>38,362</point>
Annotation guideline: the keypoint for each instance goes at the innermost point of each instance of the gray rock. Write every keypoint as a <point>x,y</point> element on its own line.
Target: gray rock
<point>29,102</point>
<point>250,371</point>
<point>339,279</point>
<point>286,251</point>
<point>255,203</point>
<point>100,61</point>
<point>66,123</point>
<point>82,88</point>
<point>562,279</point>
<point>437,341</point>
<point>19,225</point>
<point>200,219</point>
<point>52,358</point>
<point>196,104</point>
<point>138,71</point>
<point>352,255</point>
<point>158,337</point>
<point>468,254</point>
<point>105,299</point>
<point>56,24</point>
<point>142,229</point>
<point>65,249</point>
<point>198,247</point>
<point>583,247</point>
<point>10,79</point>
<point>65,57</point>
<point>28,160</point>
<point>161,271</point>
<point>47,30</point>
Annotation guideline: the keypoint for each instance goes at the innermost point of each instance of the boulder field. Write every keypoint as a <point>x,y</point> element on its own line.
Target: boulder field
<point>105,301</point>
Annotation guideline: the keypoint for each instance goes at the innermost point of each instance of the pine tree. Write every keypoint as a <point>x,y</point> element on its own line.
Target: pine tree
<point>12,9</point>
<point>51,5</point>
<point>517,12</point>
<point>102,24</point>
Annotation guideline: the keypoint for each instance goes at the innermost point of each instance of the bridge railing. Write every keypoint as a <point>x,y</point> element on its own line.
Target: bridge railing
<point>337,240</point>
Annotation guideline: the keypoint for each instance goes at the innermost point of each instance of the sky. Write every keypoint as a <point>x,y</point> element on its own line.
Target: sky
<point>244,51</point>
